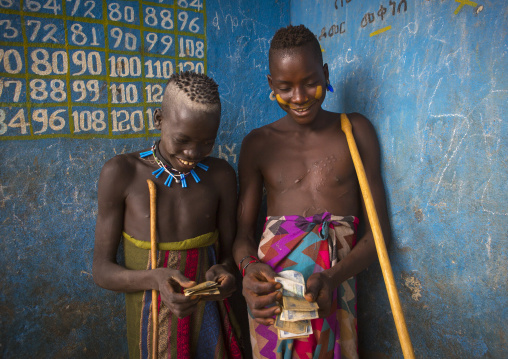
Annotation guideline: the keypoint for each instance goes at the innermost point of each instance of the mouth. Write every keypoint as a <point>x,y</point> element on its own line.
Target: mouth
<point>187,163</point>
<point>301,110</point>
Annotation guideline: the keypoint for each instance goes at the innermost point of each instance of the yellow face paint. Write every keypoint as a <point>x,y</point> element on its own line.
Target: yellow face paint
<point>317,96</point>
<point>319,92</point>
<point>281,101</point>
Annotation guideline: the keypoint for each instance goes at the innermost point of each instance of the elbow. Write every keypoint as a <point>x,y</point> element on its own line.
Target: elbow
<point>98,275</point>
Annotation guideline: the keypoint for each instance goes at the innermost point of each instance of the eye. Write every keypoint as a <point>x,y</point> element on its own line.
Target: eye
<point>313,84</point>
<point>180,140</point>
<point>284,89</point>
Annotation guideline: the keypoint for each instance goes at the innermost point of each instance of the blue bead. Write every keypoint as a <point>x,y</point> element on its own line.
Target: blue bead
<point>184,182</point>
<point>158,172</point>
<point>202,166</point>
<point>145,154</point>
<point>169,180</point>
<point>329,87</point>
<point>196,178</point>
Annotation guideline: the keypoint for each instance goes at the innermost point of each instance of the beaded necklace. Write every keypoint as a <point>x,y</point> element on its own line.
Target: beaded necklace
<point>173,174</point>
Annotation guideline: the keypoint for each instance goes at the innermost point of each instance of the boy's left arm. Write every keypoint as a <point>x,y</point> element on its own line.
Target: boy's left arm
<point>223,272</point>
<point>321,285</point>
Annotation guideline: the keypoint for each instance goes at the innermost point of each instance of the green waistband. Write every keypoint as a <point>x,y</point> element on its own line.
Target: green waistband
<point>203,240</point>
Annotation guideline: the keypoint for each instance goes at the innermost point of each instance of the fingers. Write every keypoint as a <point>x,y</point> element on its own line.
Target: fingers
<point>178,304</point>
<point>182,280</point>
<point>318,291</point>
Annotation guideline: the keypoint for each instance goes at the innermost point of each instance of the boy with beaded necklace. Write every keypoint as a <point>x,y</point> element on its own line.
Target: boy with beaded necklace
<point>196,202</point>
<point>313,204</point>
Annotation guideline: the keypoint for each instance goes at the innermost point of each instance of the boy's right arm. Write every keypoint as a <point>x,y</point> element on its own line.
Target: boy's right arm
<point>114,181</point>
<point>259,286</point>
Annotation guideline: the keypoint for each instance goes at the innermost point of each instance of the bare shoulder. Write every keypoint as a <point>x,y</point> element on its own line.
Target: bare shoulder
<point>118,172</point>
<point>221,168</point>
<point>222,172</point>
<point>258,139</point>
<point>362,127</point>
<point>120,165</point>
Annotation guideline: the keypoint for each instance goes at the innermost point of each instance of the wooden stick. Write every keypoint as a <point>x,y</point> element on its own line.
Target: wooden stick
<point>153,252</point>
<point>384,261</point>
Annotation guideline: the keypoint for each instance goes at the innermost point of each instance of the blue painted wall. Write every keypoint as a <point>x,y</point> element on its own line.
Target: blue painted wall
<point>435,86</point>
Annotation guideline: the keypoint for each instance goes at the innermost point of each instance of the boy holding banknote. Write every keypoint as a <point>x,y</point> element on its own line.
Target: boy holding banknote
<point>303,163</point>
<point>196,202</point>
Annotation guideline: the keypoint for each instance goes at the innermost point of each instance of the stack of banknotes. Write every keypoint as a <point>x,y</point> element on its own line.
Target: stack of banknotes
<point>205,288</point>
<point>294,320</point>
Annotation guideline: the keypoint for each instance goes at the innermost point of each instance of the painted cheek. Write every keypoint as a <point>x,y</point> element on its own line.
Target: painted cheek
<point>319,92</point>
<point>281,101</point>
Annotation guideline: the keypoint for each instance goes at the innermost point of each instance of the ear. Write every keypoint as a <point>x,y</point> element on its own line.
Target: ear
<point>325,70</point>
<point>157,118</point>
<point>269,78</point>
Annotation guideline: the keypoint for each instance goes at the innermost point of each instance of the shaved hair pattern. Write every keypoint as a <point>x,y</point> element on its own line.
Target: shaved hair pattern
<point>197,91</point>
<point>290,38</point>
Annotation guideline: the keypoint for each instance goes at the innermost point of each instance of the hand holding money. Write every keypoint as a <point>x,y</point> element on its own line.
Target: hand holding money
<point>294,320</point>
<point>203,289</point>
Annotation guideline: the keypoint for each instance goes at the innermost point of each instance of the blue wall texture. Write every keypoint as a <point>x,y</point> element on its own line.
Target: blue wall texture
<point>431,76</point>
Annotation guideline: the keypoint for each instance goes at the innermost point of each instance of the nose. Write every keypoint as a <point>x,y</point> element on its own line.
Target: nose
<point>299,95</point>
<point>195,152</point>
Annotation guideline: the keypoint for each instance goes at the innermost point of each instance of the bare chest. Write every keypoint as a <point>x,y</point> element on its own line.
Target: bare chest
<point>318,165</point>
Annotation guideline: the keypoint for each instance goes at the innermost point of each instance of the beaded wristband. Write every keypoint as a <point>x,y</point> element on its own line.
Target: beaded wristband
<point>244,258</point>
<point>255,260</point>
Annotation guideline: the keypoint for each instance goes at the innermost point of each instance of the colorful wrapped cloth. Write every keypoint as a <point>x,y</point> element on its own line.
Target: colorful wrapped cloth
<point>310,245</point>
<point>210,332</point>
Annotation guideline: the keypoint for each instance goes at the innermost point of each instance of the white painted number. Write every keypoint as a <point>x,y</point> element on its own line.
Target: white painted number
<point>135,118</point>
<point>52,5</point>
<point>116,15</point>
<point>154,93</point>
<point>17,90</point>
<point>79,37</point>
<point>183,17</point>
<point>39,92</point>
<point>190,49</point>
<point>50,28</point>
<point>163,69</point>
<point>6,57</point>
<point>55,122</point>
<point>91,62</point>
<point>82,87</point>
<point>13,31</point>
<point>89,120</point>
<point>152,38</point>
<point>41,65</point>
<point>127,94</point>
<point>123,66</point>
<point>130,40</point>
<point>88,13</point>
<point>18,121</point>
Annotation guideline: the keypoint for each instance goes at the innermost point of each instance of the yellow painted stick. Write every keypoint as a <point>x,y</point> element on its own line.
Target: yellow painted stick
<point>153,252</point>
<point>384,261</point>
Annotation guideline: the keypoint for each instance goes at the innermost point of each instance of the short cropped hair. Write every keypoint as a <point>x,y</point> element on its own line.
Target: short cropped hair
<point>197,91</point>
<point>290,38</point>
